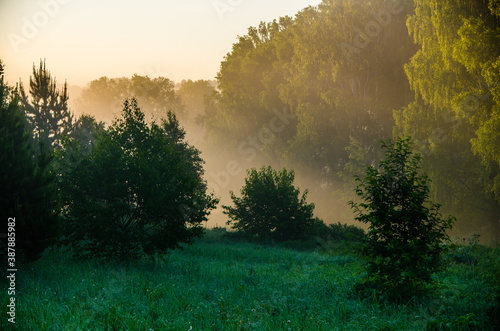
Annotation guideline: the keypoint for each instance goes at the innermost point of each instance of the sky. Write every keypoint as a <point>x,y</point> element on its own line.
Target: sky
<point>82,40</point>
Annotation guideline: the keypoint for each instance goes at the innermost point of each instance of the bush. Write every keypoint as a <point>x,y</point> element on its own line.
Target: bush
<point>335,232</point>
<point>140,189</point>
<point>270,207</point>
<point>406,231</point>
<point>215,234</point>
<point>344,232</point>
<point>483,263</point>
<point>336,238</point>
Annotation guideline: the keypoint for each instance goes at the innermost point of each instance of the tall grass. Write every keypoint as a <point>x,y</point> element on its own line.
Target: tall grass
<point>223,285</point>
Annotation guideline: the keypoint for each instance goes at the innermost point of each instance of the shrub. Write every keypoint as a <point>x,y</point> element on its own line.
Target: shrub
<point>335,232</point>
<point>215,234</point>
<point>344,232</point>
<point>406,231</point>
<point>270,207</point>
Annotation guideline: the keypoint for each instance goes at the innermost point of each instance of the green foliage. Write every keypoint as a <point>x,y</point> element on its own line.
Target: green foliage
<point>193,95</point>
<point>335,231</point>
<point>27,182</point>
<point>344,232</point>
<point>406,231</point>
<point>270,207</point>
<point>455,116</point>
<point>140,189</point>
<point>335,96</point>
<point>85,131</point>
<point>479,262</point>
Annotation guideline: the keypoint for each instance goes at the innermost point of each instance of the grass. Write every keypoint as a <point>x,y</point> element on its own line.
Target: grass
<point>223,285</point>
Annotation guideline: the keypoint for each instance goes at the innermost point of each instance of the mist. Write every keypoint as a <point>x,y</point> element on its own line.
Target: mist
<point>250,165</point>
<point>315,92</point>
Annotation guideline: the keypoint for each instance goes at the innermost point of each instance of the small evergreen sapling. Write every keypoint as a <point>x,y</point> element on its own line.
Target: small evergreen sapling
<point>406,231</point>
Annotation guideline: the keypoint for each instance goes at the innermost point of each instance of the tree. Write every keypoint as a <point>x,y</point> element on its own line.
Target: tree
<point>104,97</point>
<point>270,207</point>
<point>29,198</point>
<point>337,69</point>
<point>140,189</point>
<point>85,131</point>
<point>406,231</point>
<point>193,95</point>
<point>47,109</point>
<point>455,114</point>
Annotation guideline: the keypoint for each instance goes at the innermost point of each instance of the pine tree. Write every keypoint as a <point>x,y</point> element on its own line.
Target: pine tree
<point>47,110</point>
<point>29,197</point>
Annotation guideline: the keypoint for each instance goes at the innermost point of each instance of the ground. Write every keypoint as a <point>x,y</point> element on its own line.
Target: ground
<point>217,284</point>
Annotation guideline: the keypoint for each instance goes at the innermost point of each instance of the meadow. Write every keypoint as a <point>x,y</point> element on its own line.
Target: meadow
<point>221,284</point>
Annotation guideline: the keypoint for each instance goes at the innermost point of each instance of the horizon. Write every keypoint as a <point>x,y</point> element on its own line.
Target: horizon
<point>175,40</point>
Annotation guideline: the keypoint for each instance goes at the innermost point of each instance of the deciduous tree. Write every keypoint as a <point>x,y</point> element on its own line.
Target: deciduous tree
<point>140,189</point>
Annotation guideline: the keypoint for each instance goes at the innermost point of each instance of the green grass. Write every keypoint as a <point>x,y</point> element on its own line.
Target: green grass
<point>222,285</point>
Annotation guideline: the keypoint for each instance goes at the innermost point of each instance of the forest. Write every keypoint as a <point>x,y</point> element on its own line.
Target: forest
<point>350,153</point>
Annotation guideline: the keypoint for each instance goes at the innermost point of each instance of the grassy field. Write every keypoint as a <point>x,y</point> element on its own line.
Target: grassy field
<point>221,285</point>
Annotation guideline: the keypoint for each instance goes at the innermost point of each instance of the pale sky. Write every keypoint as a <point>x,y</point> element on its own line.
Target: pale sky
<point>83,40</point>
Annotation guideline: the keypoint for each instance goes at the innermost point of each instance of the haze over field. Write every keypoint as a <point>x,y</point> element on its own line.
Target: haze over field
<point>310,86</point>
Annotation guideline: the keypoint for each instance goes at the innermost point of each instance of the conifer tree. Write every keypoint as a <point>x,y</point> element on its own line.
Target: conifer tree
<point>46,107</point>
<point>29,199</point>
<point>406,230</point>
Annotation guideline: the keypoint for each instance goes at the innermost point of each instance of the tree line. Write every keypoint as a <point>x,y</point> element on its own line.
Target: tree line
<point>354,73</point>
<point>118,191</point>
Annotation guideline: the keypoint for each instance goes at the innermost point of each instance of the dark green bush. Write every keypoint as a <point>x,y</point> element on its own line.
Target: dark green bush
<point>270,207</point>
<point>215,234</point>
<point>344,232</point>
<point>482,262</point>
